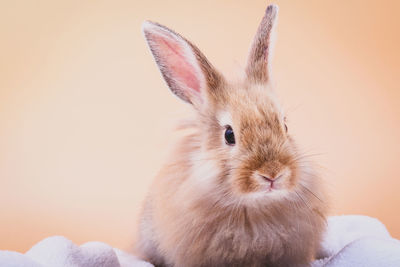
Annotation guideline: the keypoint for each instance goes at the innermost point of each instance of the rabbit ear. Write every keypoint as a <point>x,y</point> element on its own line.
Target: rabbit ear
<point>259,60</point>
<point>184,68</point>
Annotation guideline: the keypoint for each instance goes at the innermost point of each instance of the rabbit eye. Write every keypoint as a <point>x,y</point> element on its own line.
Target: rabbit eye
<point>286,128</point>
<point>229,136</point>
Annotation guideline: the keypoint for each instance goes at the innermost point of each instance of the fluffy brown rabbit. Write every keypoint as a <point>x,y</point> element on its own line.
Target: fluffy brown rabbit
<point>236,191</point>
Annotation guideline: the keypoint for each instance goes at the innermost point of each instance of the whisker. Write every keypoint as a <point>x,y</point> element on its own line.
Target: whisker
<point>302,199</point>
<point>306,188</point>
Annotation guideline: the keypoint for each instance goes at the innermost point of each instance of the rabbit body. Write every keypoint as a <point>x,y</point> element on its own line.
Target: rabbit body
<point>182,225</point>
<point>236,191</point>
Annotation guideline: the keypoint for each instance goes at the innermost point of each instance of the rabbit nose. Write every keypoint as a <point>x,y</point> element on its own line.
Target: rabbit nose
<point>271,178</point>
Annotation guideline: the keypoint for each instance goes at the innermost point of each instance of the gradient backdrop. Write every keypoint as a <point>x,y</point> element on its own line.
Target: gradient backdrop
<point>86,120</point>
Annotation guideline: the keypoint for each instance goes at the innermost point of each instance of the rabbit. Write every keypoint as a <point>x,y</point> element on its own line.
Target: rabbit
<point>236,190</point>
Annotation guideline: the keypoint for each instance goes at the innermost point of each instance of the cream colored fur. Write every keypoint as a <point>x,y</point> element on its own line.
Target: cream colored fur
<point>210,205</point>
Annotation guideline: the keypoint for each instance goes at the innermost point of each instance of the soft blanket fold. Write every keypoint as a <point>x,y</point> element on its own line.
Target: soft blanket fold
<point>350,240</point>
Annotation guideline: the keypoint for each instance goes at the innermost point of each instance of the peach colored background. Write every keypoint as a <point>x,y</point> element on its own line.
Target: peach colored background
<point>86,120</point>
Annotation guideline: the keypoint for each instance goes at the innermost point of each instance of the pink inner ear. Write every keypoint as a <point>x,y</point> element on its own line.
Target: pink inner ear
<point>178,65</point>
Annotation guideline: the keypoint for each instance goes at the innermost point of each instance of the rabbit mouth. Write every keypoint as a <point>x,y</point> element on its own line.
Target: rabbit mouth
<point>272,186</point>
<point>269,184</point>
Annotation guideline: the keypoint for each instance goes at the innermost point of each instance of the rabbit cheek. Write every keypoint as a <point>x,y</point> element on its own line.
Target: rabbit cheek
<point>245,183</point>
<point>293,178</point>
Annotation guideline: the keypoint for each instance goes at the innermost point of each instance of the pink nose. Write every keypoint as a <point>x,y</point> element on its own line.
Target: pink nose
<point>267,178</point>
<point>271,178</point>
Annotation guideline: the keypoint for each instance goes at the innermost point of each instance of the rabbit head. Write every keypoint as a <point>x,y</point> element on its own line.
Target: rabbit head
<point>241,130</point>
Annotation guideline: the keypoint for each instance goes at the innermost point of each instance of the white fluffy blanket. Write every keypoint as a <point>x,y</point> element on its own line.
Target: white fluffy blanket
<point>349,241</point>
